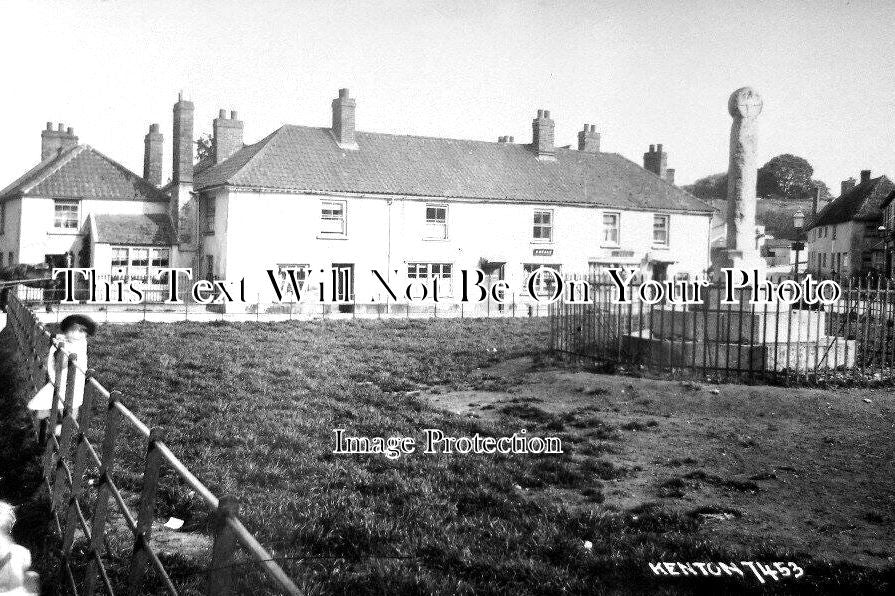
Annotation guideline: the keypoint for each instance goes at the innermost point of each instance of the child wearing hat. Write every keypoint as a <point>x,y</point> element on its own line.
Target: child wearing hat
<point>75,330</point>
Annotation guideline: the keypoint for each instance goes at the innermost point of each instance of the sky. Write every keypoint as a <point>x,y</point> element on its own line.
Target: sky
<point>643,72</point>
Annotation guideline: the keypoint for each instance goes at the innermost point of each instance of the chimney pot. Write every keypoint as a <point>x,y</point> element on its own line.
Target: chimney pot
<point>49,126</point>
<point>542,135</point>
<point>343,120</point>
<point>233,115</point>
<point>61,127</point>
<point>847,185</point>
<point>182,171</point>
<point>865,176</point>
<point>655,160</point>
<point>512,139</point>
<point>589,139</point>
<point>70,130</point>
<point>669,176</point>
<point>227,136</point>
<point>153,144</point>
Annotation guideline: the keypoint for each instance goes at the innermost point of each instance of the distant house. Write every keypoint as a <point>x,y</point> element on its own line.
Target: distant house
<point>845,238</point>
<point>888,233</point>
<point>78,207</point>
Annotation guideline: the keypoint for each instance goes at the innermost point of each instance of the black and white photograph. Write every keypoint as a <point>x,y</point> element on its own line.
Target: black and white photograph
<point>349,297</point>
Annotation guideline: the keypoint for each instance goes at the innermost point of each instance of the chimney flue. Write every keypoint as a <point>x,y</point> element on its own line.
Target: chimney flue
<point>655,160</point>
<point>865,176</point>
<point>54,142</point>
<point>153,144</point>
<point>589,139</point>
<point>227,135</point>
<point>182,170</point>
<point>669,176</point>
<point>343,120</point>
<point>542,135</point>
<point>847,185</point>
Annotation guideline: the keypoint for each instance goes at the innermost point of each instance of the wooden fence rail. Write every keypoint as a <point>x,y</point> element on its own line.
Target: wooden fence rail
<point>64,475</point>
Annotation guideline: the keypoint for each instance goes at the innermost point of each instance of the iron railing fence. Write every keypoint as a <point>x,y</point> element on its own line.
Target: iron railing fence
<point>70,460</point>
<point>849,340</point>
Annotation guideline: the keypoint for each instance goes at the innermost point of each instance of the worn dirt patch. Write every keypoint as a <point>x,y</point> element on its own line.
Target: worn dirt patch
<point>804,470</point>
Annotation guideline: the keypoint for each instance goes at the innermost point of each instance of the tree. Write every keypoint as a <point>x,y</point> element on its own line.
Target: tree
<point>787,177</point>
<point>204,146</point>
<point>709,188</point>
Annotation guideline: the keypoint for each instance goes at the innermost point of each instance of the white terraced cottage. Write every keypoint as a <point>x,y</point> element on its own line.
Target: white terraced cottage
<point>410,207</point>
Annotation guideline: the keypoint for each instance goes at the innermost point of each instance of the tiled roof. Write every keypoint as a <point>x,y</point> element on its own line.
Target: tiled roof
<point>304,159</point>
<point>82,173</point>
<point>147,229</point>
<point>862,203</point>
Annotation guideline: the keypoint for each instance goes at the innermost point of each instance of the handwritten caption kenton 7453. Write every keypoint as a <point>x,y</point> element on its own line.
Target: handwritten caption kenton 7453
<point>777,570</point>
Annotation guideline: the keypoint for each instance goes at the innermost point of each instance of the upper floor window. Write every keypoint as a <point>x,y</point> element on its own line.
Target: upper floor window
<point>210,209</point>
<point>436,222</point>
<point>610,228</point>
<point>332,217</point>
<point>542,230</point>
<point>660,230</point>
<point>65,214</point>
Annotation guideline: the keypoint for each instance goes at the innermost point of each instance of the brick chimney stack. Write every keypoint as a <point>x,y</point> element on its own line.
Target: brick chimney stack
<point>343,120</point>
<point>53,142</point>
<point>669,176</point>
<point>589,139</point>
<point>153,143</point>
<point>542,135</point>
<point>183,141</point>
<point>865,176</point>
<point>847,185</point>
<point>182,207</point>
<point>227,135</point>
<point>655,160</point>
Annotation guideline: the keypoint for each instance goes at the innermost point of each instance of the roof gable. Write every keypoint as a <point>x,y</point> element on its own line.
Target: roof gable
<point>83,173</point>
<point>864,202</point>
<point>305,159</point>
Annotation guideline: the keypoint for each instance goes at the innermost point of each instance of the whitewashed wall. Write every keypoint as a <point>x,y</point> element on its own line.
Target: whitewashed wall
<point>261,230</point>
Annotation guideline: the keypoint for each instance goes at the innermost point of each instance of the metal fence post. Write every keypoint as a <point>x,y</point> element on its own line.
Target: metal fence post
<point>60,370</point>
<point>101,508</point>
<point>146,512</point>
<point>65,435</point>
<point>220,573</point>
<point>84,418</point>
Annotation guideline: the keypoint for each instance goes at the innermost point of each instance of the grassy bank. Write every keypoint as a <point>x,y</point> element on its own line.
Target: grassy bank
<point>251,408</point>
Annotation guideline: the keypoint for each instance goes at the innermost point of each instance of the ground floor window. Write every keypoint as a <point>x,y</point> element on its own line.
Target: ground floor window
<point>443,271</point>
<point>138,263</point>
<point>545,282</point>
<point>300,273</point>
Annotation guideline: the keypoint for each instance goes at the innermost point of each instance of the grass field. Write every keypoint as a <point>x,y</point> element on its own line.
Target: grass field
<point>652,470</point>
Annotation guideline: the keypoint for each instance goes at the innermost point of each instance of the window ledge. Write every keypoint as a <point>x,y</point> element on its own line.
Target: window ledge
<point>332,236</point>
<point>63,232</point>
<point>661,247</point>
<point>436,239</point>
<point>614,246</point>
<point>548,242</point>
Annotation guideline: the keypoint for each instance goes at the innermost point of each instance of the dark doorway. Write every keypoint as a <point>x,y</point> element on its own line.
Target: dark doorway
<point>344,290</point>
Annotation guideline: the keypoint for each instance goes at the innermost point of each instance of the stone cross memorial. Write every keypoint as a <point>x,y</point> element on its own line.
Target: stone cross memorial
<point>744,106</point>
